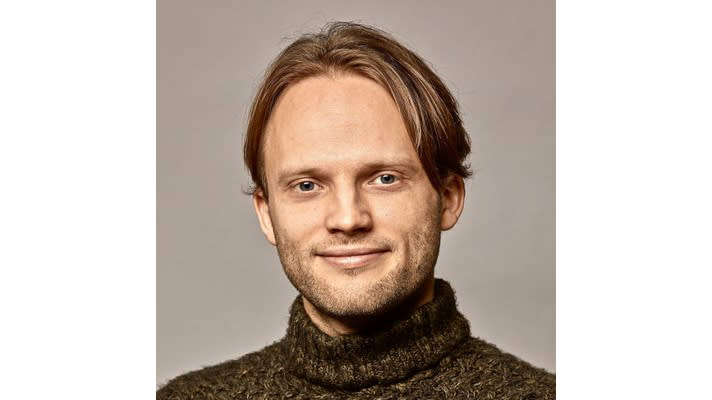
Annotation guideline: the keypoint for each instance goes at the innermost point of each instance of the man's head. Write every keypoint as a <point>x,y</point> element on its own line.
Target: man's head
<point>357,151</point>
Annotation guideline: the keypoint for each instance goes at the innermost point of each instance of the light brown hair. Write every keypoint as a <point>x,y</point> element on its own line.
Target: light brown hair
<point>429,110</point>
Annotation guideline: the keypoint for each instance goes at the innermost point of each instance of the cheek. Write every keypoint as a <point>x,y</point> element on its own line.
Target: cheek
<point>296,222</point>
<point>406,213</point>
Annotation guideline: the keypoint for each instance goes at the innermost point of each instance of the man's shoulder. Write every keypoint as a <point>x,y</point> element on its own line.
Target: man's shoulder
<point>227,380</point>
<point>513,377</point>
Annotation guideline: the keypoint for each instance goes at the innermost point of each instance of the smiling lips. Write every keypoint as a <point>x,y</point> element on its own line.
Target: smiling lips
<point>351,258</point>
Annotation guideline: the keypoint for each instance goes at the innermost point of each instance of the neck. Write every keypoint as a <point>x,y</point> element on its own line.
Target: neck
<point>338,326</point>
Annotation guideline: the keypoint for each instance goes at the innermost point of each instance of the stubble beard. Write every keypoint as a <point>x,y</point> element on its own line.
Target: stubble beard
<point>400,284</point>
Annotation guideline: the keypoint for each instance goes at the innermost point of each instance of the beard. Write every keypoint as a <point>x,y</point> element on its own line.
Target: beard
<point>358,293</point>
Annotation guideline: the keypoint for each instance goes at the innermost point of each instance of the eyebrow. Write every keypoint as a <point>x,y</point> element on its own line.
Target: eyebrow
<point>405,166</point>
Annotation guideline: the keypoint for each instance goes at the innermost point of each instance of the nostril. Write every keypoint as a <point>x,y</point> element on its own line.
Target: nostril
<point>350,231</point>
<point>350,223</point>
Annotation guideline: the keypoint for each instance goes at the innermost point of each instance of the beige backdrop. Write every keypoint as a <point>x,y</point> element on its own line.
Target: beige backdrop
<point>221,291</point>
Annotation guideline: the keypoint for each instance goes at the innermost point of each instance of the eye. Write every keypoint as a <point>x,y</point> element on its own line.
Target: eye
<point>306,186</point>
<point>386,179</point>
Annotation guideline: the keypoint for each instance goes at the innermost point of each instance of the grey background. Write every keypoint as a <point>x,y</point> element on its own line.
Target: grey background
<point>221,291</point>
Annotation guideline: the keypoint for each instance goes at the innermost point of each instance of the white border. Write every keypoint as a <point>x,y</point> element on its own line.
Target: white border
<point>77,209</point>
<point>633,198</point>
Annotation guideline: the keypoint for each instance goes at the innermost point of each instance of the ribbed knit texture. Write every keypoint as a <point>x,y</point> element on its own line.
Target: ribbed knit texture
<point>429,355</point>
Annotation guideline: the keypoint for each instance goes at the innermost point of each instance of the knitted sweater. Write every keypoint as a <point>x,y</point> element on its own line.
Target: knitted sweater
<point>428,355</point>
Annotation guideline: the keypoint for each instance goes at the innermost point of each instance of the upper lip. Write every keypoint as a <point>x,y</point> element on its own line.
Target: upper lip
<point>344,252</point>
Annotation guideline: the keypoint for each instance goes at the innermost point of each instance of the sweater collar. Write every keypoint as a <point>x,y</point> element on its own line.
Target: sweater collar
<point>390,354</point>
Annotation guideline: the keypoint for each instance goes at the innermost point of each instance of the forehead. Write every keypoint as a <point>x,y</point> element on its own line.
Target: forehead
<point>325,120</point>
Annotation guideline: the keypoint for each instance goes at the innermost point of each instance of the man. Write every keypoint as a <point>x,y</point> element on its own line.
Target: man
<point>357,153</point>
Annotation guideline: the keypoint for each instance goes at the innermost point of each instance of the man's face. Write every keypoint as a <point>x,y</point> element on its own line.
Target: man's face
<point>353,214</point>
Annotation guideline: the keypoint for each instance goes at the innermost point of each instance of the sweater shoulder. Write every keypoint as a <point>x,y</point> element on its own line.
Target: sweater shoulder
<point>512,377</point>
<point>228,380</point>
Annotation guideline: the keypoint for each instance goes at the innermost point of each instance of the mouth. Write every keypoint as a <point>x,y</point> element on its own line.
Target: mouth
<point>352,258</point>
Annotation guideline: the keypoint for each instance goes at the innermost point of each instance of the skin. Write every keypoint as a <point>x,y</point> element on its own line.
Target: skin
<point>355,219</point>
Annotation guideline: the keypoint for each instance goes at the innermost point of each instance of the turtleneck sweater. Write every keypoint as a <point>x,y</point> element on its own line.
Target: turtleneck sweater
<point>426,355</point>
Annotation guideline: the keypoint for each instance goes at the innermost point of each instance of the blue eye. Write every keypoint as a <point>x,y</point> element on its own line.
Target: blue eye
<point>306,186</point>
<point>386,179</point>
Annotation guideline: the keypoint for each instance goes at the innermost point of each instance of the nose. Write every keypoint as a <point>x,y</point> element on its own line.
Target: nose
<point>349,212</point>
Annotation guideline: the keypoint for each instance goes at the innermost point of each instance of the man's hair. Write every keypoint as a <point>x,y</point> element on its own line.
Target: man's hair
<point>429,110</point>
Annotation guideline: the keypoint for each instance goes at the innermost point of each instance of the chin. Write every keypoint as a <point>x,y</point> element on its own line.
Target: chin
<point>350,307</point>
<point>362,296</point>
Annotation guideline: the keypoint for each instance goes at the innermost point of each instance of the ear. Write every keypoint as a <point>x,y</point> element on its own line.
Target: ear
<point>262,209</point>
<point>452,195</point>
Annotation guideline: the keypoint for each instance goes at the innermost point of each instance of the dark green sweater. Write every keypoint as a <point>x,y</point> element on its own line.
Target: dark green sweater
<point>429,355</point>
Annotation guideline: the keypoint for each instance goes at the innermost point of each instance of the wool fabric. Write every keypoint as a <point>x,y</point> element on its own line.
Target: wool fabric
<point>427,355</point>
